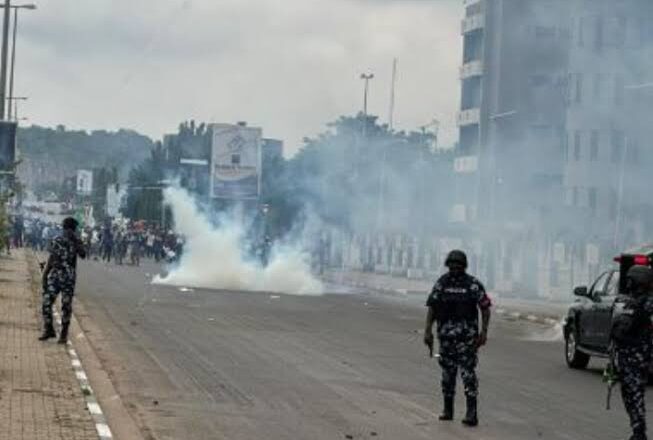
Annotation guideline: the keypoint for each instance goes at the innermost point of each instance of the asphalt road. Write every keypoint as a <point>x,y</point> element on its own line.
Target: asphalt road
<point>233,365</point>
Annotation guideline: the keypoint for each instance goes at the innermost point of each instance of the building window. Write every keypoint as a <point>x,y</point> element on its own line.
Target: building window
<point>235,160</point>
<point>563,142</point>
<point>592,199</point>
<point>598,35</point>
<point>618,142</point>
<point>577,145</point>
<point>594,146</point>
<point>578,96</point>
<point>619,91</point>
<point>598,85</point>
<point>542,32</point>
<point>574,197</point>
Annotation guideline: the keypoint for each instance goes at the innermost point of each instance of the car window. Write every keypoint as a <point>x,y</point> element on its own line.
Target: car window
<point>612,288</point>
<point>598,288</point>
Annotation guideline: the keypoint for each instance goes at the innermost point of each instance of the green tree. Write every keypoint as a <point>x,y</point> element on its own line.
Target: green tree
<point>144,195</point>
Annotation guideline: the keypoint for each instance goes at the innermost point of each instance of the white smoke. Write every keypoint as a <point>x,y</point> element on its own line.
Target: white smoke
<point>214,258</point>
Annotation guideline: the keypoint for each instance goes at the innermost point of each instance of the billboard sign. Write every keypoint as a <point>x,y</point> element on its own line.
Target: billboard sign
<point>84,182</point>
<point>236,162</point>
<point>115,197</point>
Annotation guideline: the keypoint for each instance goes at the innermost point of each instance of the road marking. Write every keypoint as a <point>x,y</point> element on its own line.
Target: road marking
<point>103,430</point>
<point>94,408</point>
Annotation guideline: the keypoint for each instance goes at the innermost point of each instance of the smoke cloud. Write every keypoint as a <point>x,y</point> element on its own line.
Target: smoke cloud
<point>215,257</point>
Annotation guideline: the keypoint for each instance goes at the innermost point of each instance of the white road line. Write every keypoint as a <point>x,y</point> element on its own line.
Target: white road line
<point>81,375</point>
<point>103,430</point>
<point>94,408</point>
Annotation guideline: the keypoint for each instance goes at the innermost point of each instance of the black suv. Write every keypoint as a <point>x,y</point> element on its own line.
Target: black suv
<point>589,320</point>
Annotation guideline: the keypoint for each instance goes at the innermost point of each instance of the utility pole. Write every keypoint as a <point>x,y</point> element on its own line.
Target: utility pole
<point>393,86</point>
<point>13,65</point>
<point>3,61</point>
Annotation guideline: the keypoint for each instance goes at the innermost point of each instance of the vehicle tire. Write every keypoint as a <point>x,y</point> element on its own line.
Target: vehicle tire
<point>575,359</point>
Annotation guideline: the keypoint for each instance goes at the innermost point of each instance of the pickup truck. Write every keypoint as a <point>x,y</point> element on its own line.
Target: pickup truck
<point>588,323</point>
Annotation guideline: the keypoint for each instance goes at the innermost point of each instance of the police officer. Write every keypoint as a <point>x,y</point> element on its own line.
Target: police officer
<point>631,334</point>
<point>59,276</point>
<point>454,303</point>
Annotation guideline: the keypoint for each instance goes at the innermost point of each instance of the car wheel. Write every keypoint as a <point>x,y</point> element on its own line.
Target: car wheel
<point>575,358</point>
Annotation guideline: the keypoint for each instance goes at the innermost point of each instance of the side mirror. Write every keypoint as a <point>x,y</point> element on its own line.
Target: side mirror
<point>581,291</point>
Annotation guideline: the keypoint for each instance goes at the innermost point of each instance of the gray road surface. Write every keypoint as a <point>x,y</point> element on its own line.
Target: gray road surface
<point>233,365</point>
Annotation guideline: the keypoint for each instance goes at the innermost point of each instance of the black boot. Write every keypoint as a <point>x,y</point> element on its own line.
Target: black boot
<point>447,413</point>
<point>48,332</point>
<point>63,337</point>
<point>471,419</point>
<point>639,434</point>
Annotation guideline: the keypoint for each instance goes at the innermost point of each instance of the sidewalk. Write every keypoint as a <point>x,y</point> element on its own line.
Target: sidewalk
<point>543,312</point>
<point>40,397</point>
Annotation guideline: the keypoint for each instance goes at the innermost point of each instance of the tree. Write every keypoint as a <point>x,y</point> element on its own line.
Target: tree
<point>361,175</point>
<point>144,197</point>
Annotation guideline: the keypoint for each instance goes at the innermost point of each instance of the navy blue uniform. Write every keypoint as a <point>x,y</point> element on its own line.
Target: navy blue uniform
<point>633,354</point>
<point>456,299</point>
<point>62,277</point>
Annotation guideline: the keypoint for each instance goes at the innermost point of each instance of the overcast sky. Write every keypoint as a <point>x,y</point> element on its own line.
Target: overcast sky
<point>289,66</point>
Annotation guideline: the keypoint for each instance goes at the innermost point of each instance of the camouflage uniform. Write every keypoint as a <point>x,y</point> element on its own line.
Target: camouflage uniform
<point>633,359</point>
<point>62,277</point>
<point>456,299</point>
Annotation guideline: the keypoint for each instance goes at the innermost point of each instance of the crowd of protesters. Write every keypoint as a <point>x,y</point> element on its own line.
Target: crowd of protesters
<point>128,243</point>
<point>124,242</point>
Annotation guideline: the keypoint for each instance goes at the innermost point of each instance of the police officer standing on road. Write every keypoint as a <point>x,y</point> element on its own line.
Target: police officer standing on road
<point>59,276</point>
<point>631,334</point>
<point>455,303</point>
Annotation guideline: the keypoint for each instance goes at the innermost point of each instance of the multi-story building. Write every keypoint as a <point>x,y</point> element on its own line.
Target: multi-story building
<point>512,111</point>
<point>608,151</point>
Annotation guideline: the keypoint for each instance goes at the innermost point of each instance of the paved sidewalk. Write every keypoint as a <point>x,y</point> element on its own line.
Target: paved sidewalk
<point>40,397</point>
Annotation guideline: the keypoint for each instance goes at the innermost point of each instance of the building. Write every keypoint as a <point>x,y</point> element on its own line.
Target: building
<point>512,111</point>
<point>608,152</point>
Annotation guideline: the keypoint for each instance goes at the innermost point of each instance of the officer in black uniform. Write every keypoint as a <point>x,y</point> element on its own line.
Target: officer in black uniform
<point>631,334</point>
<point>454,303</point>
<point>59,276</point>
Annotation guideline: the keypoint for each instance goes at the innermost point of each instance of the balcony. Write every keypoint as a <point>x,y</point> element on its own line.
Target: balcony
<point>473,23</point>
<point>471,69</point>
<point>469,117</point>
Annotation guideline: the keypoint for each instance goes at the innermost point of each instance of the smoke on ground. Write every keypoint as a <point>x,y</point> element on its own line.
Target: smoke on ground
<point>214,257</point>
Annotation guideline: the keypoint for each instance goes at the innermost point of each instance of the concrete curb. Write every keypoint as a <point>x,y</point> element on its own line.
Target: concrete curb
<point>507,312</point>
<point>101,425</point>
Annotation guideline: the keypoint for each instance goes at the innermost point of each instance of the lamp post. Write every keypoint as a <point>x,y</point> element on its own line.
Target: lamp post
<point>13,55</point>
<point>5,53</point>
<point>366,77</point>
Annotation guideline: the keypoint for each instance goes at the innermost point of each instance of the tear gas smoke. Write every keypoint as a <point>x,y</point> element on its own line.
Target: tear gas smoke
<point>214,256</point>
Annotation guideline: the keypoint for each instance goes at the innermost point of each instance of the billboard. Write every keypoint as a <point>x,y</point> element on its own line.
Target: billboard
<point>7,145</point>
<point>115,197</point>
<point>84,182</point>
<point>235,162</point>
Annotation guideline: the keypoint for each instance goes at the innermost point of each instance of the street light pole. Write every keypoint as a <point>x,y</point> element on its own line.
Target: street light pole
<point>366,77</point>
<point>3,59</point>
<point>13,64</point>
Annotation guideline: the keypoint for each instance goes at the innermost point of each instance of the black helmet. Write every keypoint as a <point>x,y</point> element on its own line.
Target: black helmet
<point>456,257</point>
<point>70,223</point>
<point>640,276</point>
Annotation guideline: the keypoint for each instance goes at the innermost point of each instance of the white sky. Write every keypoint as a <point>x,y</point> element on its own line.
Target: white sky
<point>289,66</point>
